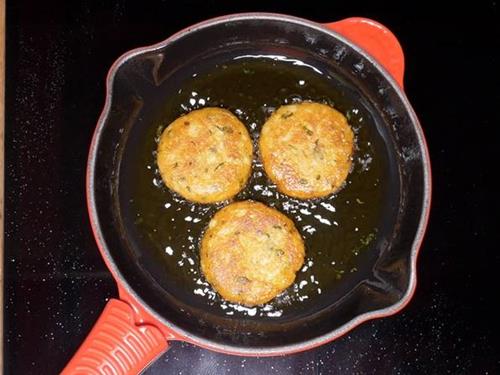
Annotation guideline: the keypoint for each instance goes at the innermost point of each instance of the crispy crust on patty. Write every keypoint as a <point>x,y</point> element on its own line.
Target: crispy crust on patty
<point>307,149</point>
<point>205,155</point>
<point>250,253</point>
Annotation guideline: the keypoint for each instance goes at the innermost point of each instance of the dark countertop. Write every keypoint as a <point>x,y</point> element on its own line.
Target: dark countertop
<point>56,284</point>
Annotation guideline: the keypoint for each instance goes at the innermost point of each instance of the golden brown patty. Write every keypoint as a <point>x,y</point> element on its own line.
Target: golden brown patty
<point>250,252</point>
<point>306,149</point>
<point>206,155</point>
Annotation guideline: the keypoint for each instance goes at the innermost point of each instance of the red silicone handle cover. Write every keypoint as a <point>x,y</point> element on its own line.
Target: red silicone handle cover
<point>375,39</point>
<point>117,345</point>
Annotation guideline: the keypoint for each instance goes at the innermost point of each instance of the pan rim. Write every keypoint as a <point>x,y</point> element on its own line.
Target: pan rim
<point>184,335</point>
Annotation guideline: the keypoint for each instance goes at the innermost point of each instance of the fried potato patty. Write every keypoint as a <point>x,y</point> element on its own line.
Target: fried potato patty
<point>206,155</point>
<point>307,149</point>
<point>251,252</point>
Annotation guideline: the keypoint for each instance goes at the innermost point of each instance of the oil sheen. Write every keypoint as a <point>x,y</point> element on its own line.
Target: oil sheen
<point>338,230</point>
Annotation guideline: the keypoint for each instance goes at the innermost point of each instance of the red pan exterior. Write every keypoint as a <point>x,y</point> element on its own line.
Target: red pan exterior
<point>366,34</point>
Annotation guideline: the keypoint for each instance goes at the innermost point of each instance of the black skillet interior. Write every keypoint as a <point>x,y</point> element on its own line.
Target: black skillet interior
<point>358,241</point>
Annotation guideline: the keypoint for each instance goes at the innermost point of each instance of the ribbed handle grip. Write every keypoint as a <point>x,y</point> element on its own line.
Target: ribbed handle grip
<point>116,345</point>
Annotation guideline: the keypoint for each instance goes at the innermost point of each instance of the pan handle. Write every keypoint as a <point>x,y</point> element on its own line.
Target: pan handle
<point>377,40</point>
<point>117,345</point>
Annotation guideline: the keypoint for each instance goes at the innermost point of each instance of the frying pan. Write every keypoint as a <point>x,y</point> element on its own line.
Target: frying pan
<point>135,329</point>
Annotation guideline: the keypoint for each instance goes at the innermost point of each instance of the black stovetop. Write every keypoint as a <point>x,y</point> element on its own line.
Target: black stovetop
<point>56,284</point>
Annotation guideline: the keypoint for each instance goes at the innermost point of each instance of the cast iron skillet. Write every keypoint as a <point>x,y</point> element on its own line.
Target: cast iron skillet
<point>154,306</point>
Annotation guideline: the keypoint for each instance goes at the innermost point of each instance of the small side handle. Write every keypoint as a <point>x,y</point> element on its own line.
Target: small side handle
<point>377,40</point>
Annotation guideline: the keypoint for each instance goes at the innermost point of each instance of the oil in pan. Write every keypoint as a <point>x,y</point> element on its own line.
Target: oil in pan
<point>338,230</point>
